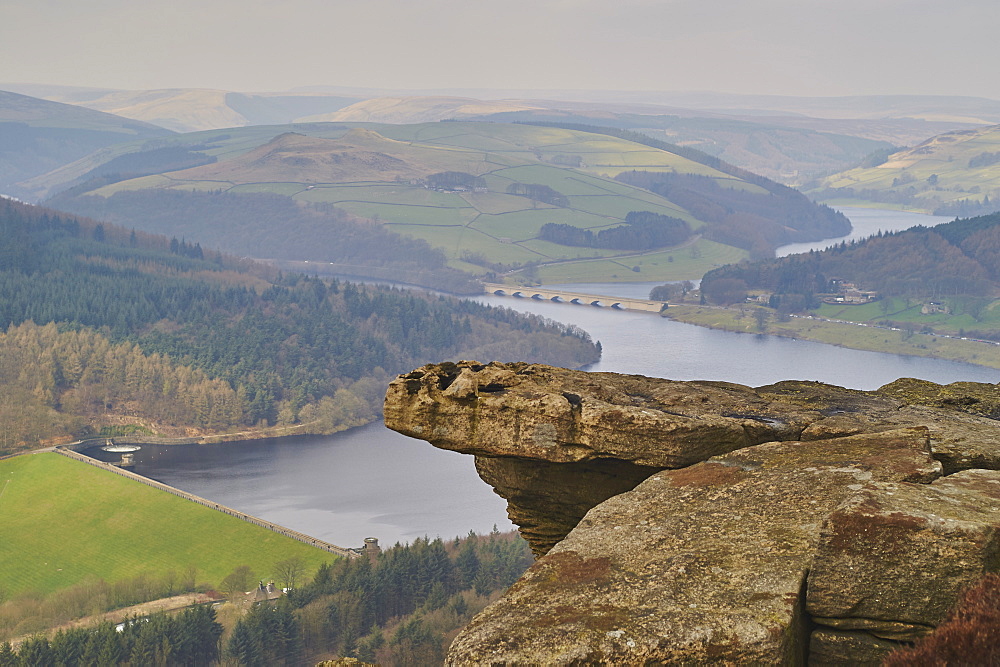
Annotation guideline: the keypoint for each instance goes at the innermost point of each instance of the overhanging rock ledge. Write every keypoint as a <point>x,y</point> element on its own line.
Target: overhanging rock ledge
<point>710,521</point>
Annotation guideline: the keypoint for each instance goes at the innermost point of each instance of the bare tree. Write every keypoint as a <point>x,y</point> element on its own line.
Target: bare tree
<point>289,571</point>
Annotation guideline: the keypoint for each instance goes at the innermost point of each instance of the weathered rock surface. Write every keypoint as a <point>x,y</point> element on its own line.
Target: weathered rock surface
<point>522,413</point>
<point>848,649</point>
<point>895,557</point>
<point>537,492</point>
<point>704,563</point>
<point>691,522</point>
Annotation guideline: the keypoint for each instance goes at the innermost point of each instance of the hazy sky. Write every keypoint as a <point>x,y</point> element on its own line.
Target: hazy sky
<point>794,47</point>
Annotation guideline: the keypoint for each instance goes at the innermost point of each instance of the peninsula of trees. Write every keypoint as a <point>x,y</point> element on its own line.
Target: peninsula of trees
<point>108,331</point>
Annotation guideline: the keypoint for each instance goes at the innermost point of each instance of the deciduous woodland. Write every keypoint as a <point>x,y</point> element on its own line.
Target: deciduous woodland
<point>115,330</point>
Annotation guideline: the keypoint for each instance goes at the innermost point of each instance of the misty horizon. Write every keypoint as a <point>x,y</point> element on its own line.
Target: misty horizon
<point>769,47</point>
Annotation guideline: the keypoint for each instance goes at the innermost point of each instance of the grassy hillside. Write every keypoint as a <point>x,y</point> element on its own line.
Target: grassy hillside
<point>37,136</point>
<point>384,173</point>
<point>957,173</point>
<point>792,149</point>
<point>786,150</point>
<point>65,522</point>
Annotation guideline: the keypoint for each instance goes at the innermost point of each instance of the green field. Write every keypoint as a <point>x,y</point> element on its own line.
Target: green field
<point>965,313</point>
<point>678,264</point>
<point>64,522</point>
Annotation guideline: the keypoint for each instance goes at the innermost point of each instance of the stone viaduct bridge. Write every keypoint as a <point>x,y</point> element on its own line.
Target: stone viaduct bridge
<point>576,298</point>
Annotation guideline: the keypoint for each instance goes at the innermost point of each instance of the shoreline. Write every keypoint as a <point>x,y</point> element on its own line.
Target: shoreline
<point>298,536</point>
<point>852,336</point>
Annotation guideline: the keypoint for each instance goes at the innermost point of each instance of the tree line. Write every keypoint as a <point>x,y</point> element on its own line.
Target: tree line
<point>539,192</point>
<point>189,638</point>
<point>960,258</point>
<point>642,230</point>
<point>405,606</point>
<point>755,221</point>
<point>448,180</point>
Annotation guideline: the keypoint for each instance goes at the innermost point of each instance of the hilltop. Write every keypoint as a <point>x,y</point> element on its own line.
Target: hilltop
<point>956,173</point>
<point>359,155</point>
<point>792,140</point>
<point>479,193</point>
<point>787,146</point>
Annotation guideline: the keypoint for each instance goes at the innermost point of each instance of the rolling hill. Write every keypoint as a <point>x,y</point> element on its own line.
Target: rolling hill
<point>792,140</point>
<point>392,174</point>
<point>37,136</point>
<point>787,148</point>
<point>956,173</point>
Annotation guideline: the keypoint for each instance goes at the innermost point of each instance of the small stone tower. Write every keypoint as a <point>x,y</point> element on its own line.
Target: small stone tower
<point>372,549</point>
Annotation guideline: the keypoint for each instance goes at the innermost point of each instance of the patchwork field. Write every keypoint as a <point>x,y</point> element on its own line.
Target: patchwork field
<point>386,173</point>
<point>65,522</point>
<point>948,169</point>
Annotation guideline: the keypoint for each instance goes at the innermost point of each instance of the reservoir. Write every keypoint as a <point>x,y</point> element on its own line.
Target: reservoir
<point>372,481</point>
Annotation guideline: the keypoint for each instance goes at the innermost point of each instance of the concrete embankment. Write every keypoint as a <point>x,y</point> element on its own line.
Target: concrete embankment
<point>68,450</point>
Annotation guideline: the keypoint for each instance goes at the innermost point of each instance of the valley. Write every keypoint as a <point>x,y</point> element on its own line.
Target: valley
<point>196,282</point>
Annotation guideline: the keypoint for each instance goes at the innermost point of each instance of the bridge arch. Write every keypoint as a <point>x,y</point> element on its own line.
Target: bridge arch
<point>576,298</point>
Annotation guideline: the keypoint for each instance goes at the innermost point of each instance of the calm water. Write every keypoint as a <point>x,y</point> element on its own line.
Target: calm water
<point>368,481</point>
<point>867,222</point>
<point>372,481</point>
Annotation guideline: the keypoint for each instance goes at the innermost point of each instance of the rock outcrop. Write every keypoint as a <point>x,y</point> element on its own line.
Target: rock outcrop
<point>687,522</point>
